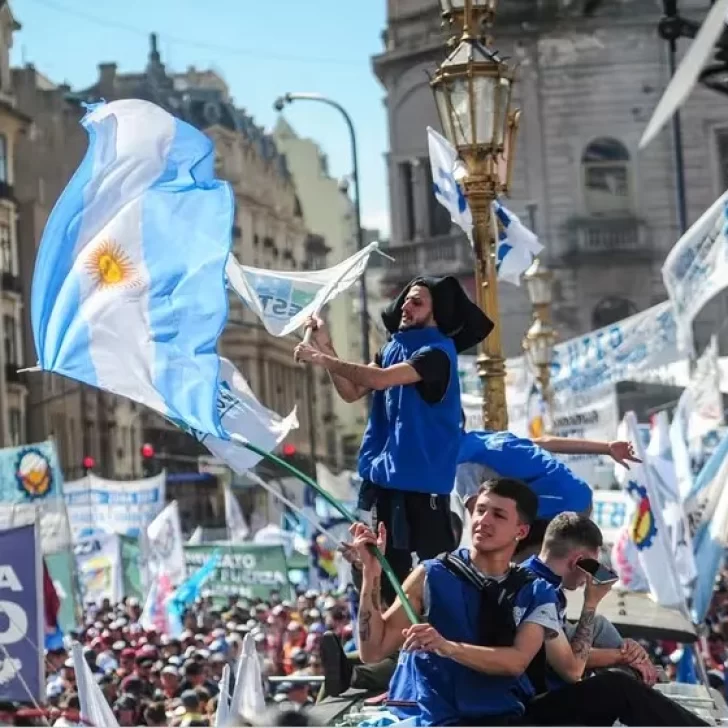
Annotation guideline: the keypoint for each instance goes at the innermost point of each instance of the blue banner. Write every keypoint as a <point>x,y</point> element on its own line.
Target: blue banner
<point>30,473</point>
<point>21,616</point>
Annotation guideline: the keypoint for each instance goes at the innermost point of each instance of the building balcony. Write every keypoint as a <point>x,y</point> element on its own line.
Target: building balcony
<point>437,256</point>
<point>601,237</point>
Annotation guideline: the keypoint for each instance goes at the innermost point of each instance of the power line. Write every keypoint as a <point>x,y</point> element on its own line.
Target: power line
<point>260,54</point>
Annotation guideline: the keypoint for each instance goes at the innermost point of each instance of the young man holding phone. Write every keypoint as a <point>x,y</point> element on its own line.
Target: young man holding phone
<point>569,560</point>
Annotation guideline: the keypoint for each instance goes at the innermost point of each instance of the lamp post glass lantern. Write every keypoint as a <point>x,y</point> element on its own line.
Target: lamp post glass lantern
<point>472,90</point>
<point>538,281</point>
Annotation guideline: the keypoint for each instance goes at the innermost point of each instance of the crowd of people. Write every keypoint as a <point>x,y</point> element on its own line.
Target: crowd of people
<point>152,679</point>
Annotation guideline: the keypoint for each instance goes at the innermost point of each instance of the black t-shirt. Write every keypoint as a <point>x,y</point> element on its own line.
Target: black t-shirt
<point>433,365</point>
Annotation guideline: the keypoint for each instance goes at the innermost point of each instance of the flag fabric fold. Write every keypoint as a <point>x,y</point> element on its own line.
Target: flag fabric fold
<point>165,544</point>
<point>517,246</point>
<point>707,509</point>
<point>648,530</point>
<point>696,269</point>
<point>446,169</point>
<point>238,529</point>
<point>128,291</point>
<point>187,592</point>
<point>248,698</point>
<point>283,300</point>
<point>94,707</point>
<point>245,419</point>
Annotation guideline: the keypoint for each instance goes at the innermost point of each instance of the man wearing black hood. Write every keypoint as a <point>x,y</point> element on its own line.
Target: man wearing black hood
<point>409,452</point>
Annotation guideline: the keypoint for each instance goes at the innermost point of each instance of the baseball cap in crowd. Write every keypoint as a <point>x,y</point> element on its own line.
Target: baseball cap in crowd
<point>132,685</point>
<point>126,702</point>
<point>119,646</point>
<point>218,657</point>
<point>170,670</point>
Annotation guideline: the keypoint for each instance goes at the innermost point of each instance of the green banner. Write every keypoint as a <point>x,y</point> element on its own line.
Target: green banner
<point>245,570</point>
<point>60,568</point>
<point>130,563</point>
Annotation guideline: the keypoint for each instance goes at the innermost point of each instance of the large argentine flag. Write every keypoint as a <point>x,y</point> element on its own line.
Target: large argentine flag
<point>128,291</point>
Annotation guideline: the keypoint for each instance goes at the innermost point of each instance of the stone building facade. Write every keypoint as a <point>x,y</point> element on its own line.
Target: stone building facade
<point>590,76</point>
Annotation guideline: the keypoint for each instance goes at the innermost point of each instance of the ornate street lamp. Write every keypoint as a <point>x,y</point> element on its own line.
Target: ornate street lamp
<point>540,339</point>
<point>472,91</point>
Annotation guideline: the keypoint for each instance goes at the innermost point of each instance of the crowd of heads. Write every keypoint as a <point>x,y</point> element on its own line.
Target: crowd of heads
<point>154,679</point>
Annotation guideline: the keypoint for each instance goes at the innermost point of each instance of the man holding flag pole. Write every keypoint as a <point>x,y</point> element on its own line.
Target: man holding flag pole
<point>409,452</point>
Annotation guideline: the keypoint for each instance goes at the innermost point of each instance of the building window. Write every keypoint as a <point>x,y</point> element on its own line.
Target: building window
<point>15,423</point>
<point>610,310</point>
<point>407,182</point>
<point>11,340</point>
<point>721,137</point>
<point>6,249</point>
<point>606,171</point>
<point>3,158</point>
<point>439,217</point>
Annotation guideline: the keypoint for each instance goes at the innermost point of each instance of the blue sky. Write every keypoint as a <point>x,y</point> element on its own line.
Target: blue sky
<point>262,49</point>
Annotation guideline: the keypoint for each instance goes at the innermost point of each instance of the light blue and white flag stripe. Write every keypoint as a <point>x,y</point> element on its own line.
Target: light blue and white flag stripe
<point>517,246</point>
<point>129,286</point>
<point>707,509</point>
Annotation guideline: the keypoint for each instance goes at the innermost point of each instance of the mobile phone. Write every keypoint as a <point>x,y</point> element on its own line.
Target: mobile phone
<point>600,573</point>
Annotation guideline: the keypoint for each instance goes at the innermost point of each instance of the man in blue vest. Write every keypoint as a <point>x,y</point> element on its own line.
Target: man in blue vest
<point>449,672</point>
<point>607,696</point>
<point>409,452</point>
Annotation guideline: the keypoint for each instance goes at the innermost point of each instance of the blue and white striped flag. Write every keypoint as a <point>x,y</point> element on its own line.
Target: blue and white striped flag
<point>517,246</point>
<point>445,164</point>
<point>129,284</point>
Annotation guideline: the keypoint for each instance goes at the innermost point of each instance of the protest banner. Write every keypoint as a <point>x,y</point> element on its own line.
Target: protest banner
<point>31,481</point>
<point>98,564</point>
<point>125,507</point>
<point>246,570</point>
<point>22,621</point>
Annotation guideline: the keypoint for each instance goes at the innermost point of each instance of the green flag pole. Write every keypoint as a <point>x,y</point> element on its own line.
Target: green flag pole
<point>334,503</point>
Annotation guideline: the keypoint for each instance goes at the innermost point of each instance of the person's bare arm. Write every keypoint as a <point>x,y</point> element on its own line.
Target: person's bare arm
<point>346,389</point>
<point>569,658</point>
<point>361,375</point>
<point>604,657</point>
<point>492,660</point>
<point>621,452</point>
<point>380,634</point>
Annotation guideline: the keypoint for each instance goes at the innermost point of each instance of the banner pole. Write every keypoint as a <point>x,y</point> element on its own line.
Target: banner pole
<point>345,513</point>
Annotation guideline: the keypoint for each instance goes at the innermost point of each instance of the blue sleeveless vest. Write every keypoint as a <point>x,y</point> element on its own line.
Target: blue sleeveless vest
<point>409,444</point>
<point>445,691</point>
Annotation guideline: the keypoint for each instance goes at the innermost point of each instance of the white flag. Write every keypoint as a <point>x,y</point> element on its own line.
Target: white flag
<point>699,413</point>
<point>517,246</point>
<point>166,549</point>
<point>246,419</point>
<point>696,269</point>
<point>283,300</point>
<point>248,698</point>
<point>687,74</point>
<point>94,707</point>
<point>446,169</point>
<point>648,530</point>
<point>662,466</point>
<point>238,529</point>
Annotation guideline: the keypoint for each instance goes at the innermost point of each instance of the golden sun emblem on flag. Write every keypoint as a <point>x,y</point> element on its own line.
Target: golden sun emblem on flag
<point>110,266</point>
